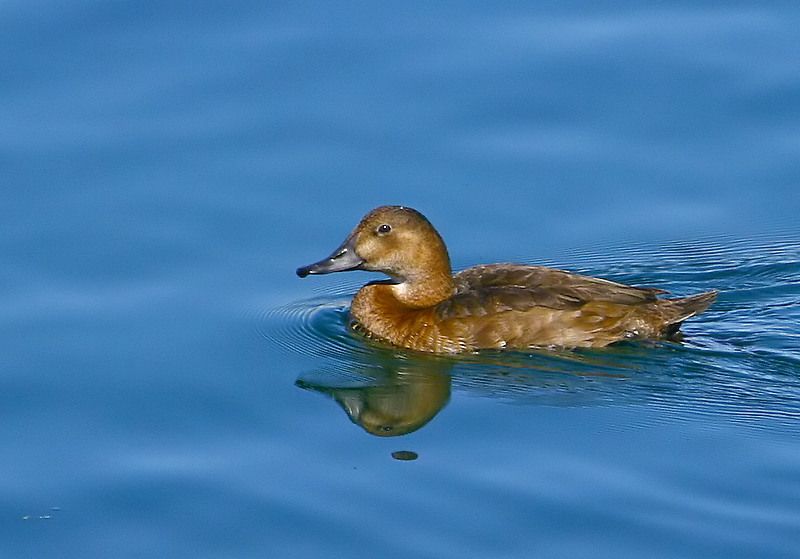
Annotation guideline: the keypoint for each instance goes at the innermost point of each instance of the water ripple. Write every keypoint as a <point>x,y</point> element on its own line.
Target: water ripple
<point>314,327</point>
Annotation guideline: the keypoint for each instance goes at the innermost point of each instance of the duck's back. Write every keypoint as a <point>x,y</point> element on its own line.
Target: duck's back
<point>510,305</point>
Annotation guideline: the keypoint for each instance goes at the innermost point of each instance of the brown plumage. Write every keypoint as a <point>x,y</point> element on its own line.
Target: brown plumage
<point>494,306</point>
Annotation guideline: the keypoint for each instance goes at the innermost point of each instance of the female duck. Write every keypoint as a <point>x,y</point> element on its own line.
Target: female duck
<point>425,307</point>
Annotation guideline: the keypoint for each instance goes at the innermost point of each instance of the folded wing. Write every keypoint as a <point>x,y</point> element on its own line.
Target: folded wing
<point>496,288</point>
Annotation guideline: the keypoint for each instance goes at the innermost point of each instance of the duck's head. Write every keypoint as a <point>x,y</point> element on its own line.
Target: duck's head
<point>395,240</point>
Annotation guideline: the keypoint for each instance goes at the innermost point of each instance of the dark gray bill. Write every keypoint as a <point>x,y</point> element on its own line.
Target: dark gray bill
<point>343,258</point>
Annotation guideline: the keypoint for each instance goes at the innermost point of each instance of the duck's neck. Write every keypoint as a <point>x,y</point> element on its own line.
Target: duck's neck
<point>424,291</point>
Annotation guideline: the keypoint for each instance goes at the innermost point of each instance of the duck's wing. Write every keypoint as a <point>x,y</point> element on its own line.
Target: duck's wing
<point>490,289</point>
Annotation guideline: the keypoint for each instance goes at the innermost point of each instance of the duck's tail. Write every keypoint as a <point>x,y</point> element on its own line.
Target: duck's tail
<point>678,310</point>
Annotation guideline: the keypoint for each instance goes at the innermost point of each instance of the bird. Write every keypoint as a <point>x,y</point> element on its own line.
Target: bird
<point>424,307</point>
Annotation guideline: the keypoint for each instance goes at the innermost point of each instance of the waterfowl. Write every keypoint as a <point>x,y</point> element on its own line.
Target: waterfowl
<point>424,307</point>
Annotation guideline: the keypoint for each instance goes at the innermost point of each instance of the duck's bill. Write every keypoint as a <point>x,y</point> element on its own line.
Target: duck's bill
<point>343,258</point>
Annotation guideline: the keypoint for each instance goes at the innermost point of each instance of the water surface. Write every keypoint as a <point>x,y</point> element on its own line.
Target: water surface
<point>169,388</point>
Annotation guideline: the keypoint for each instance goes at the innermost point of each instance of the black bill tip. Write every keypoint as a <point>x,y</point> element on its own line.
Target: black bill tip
<point>303,271</point>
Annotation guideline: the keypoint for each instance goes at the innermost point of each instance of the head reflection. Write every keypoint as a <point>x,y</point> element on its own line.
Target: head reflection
<point>394,396</point>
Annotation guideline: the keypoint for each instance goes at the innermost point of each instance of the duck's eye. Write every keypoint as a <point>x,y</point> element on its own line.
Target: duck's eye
<point>384,229</point>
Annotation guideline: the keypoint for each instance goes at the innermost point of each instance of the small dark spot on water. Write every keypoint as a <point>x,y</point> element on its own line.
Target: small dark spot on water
<point>405,455</point>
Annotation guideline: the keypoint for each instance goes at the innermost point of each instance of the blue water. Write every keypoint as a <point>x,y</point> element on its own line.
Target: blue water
<point>169,388</point>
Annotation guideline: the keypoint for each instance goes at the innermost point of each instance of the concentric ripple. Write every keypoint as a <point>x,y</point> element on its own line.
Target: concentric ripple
<point>314,327</point>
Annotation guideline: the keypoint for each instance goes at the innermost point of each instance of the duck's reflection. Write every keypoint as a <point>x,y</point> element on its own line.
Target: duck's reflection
<point>393,393</point>
<point>394,397</point>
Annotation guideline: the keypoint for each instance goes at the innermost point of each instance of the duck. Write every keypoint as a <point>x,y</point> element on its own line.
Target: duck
<point>424,307</point>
